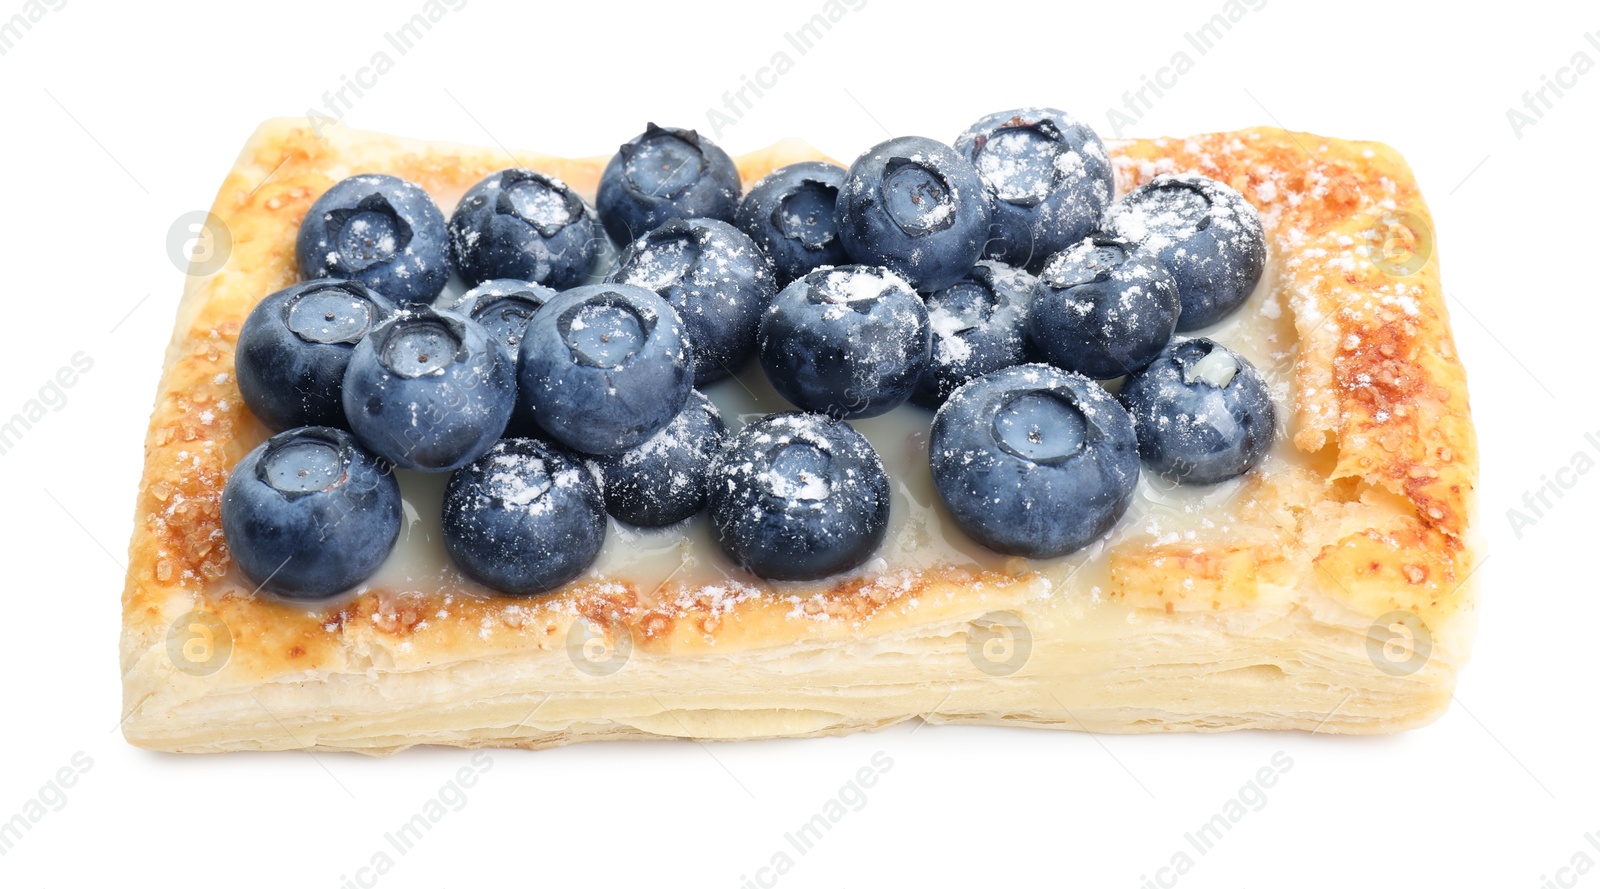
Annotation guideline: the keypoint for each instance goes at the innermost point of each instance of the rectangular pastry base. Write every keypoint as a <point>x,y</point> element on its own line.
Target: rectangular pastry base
<point>1336,596</point>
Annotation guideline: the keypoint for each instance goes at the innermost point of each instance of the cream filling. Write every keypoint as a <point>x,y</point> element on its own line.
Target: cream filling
<point>921,534</point>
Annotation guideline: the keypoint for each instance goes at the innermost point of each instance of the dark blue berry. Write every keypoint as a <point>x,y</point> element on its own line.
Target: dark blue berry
<point>1202,412</point>
<point>917,207</point>
<point>1033,460</point>
<point>789,214</point>
<point>295,345</point>
<point>665,173</point>
<point>310,513</point>
<point>429,390</point>
<point>1102,308</point>
<point>663,480</point>
<point>504,306</point>
<point>716,279</point>
<point>380,230</point>
<point>850,341</point>
<point>1049,178</point>
<point>604,367</point>
<point>523,518</point>
<point>977,328</point>
<point>1205,233</point>
<point>799,497</point>
<point>522,224</point>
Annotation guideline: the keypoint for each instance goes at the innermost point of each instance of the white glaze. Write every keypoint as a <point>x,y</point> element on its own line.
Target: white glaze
<point>921,534</point>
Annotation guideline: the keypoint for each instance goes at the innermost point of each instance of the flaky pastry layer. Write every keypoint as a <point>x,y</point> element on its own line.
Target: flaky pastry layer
<point>1289,621</point>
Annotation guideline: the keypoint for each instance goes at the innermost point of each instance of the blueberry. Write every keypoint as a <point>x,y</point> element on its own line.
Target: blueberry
<point>429,390</point>
<point>799,497</point>
<point>1202,412</point>
<point>1205,233</point>
<point>917,207</point>
<point>789,213</point>
<point>663,480</point>
<point>1102,308</point>
<point>1049,178</point>
<point>1033,460</point>
<point>716,279</point>
<point>522,224</point>
<point>309,513</point>
<point>977,328</point>
<point>850,341</point>
<point>523,518</point>
<point>504,306</point>
<point>665,173</point>
<point>380,230</point>
<point>604,367</point>
<point>295,345</point>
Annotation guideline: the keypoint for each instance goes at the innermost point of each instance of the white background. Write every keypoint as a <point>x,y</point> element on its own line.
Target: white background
<point>119,118</point>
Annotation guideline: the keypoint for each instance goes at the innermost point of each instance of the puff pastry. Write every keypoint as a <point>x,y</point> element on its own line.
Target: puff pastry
<point>1328,590</point>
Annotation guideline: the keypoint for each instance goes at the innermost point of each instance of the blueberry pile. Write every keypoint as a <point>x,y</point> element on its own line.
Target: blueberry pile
<point>992,280</point>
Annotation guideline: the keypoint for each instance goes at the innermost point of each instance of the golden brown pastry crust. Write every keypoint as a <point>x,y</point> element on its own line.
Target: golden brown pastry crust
<point>1264,629</point>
